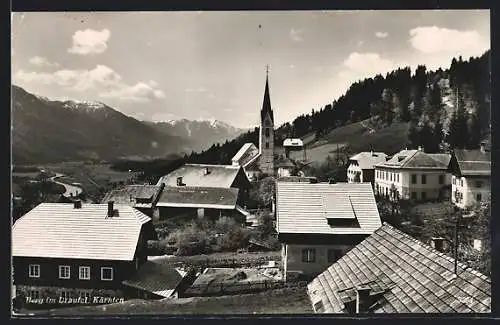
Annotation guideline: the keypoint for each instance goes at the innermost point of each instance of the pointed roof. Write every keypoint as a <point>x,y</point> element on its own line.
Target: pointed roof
<point>266,104</point>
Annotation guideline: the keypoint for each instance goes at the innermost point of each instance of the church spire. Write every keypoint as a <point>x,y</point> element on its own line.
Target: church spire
<point>266,104</point>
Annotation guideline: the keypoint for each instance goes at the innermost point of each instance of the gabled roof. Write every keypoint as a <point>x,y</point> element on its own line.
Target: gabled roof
<point>417,159</point>
<point>473,162</point>
<point>409,276</point>
<point>195,175</point>
<point>199,197</point>
<point>128,195</point>
<point>58,230</point>
<point>303,208</point>
<point>246,153</point>
<point>160,279</point>
<point>366,160</point>
<point>293,142</point>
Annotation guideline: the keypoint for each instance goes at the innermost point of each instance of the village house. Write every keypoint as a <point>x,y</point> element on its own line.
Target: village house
<point>70,251</point>
<point>391,272</point>
<point>361,167</point>
<point>141,197</point>
<point>202,202</point>
<point>414,175</point>
<point>317,223</point>
<point>471,176</point>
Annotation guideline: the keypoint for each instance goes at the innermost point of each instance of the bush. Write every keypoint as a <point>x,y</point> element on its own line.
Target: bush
<point>160,247</point>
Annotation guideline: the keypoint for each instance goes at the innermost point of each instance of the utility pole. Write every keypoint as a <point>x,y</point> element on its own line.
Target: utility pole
<point>459,214</point>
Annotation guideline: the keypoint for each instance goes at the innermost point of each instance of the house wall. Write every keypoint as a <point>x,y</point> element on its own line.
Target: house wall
<point>352,171</point>
<point>190,213</point>
<point>468,189</point>
<point>283,172</point>
<point>293,263</point>
<point>402,180</point>
<point>49,273</point>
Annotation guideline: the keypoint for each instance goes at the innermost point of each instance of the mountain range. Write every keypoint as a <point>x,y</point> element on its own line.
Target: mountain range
<point>45,130</point>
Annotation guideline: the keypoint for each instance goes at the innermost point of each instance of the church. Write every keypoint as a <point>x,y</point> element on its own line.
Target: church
<point>260,161</point>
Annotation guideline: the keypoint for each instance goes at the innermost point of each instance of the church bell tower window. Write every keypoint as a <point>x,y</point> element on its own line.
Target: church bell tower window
<point>267,132</point>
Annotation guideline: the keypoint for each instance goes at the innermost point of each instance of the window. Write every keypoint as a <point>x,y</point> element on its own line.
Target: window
<point>333,255</point>
<point>453,180</point>
<point>478,197</point>
<point>266,132</point>
<point>414,179</point>
<point>318,307</point>
<point>267,145</point>
<point>85,295</point>
<point>479,184</point>
<point>309,255</point>
<point>397,178</point>
<point>64,272</point>
<point>424,179</point>
<point>461,196</point>
<point>424,195</point>
<point>107,273</point>
<point>84,272</point>
<point>34,294</point>
<point>441,179</point>
<point>413,195</point>
<point>65,295</point>
<point>34,270</point>
<point>461,182</point>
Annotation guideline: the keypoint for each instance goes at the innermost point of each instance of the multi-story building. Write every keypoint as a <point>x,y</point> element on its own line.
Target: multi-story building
<point>361,166</point>
<point>317,223</point>
<point>414,175</point>
<point>471,176</point>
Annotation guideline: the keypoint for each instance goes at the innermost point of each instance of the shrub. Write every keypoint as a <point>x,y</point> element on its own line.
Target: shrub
<point>160,247</point>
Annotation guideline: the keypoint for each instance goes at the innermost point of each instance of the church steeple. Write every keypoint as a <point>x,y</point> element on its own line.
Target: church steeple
<point>266,104</point>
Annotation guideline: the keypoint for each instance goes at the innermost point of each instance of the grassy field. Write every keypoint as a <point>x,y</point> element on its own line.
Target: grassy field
<point>279,301</point>
<point>434,209</point>
<point>214,258</point>
<point>357,137</point>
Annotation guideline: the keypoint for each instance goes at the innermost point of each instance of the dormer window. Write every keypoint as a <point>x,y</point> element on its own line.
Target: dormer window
<point>401,158</point>
<point>339,211</point>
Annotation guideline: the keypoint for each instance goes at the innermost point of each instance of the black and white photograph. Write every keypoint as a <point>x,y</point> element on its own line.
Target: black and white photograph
<point>172,163</point>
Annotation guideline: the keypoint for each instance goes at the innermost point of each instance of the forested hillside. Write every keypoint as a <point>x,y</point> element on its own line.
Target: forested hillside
<point>444,109</point>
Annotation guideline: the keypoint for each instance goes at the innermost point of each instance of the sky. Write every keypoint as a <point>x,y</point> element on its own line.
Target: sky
<point>160,66</point>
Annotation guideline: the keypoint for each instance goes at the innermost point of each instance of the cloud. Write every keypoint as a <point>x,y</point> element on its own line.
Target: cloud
<point>432,39</point>
<point>43,62</point>
<point>90,41</point>
<point>368,63</point>
<point>102,78</point>
<point>358,66</point>
<point>381,34</point>
<point>140,92</point>
<point>196,90</point>
<point>295,35</point>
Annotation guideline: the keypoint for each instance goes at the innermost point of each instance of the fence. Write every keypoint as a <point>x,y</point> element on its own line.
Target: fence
<point>203,263</point>
<point>228,288</point>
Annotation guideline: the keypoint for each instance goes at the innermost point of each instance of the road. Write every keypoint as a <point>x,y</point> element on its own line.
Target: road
<point>70,189</point>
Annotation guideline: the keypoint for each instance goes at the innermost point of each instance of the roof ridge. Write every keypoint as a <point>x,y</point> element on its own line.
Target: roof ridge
<point>408,159</point>
<point>465,267</point>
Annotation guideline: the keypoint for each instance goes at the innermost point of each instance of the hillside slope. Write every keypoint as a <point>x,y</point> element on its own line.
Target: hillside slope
<point>51,131</point>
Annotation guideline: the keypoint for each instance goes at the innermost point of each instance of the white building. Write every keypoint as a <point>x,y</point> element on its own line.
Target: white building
<point>415,175</point>
<point>471,176</point>
<point>361,166</point>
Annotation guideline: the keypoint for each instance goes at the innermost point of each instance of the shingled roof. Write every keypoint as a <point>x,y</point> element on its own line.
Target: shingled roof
<point>366,160</point>
<point>58,230</point>
<point>195,175</point>
<point>129,193</point>
<point>199,197</point>
<point>305,208</point>
<point>403,275</point>
<point>417,159</point>
<point>473,162</point>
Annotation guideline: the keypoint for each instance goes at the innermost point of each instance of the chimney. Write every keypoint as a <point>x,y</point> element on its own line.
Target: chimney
<point>331,181</point>
<point>438,243</point>
<point>363,299</point>
<point>77,204</point>
<point>206,171</point>
<point>179,181</point>
<point>419,148</point>
<point>483,147</point>
<point>111,209</point>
